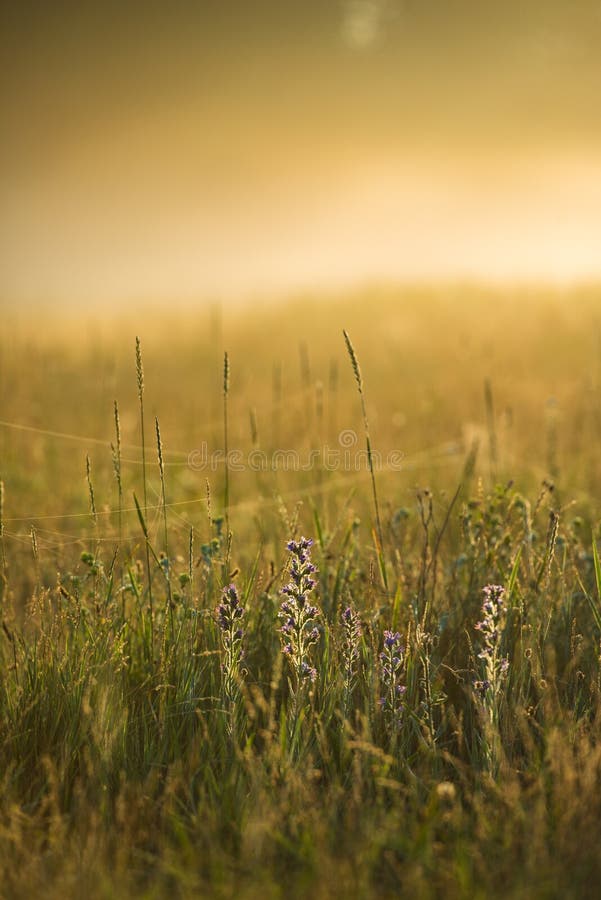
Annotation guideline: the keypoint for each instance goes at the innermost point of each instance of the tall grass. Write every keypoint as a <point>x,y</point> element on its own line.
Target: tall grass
<point>359,380</point>
<point>3,577</point>
<point>433,734</point>
<point>140,384</point>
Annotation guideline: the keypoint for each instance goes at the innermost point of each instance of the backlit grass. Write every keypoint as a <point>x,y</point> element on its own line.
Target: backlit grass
<point>371,731</point>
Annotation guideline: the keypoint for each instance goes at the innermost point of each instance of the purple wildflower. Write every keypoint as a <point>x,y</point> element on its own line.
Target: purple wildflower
<point>298,630</point>
<point>229,614</point>
<point>495,666</point>
<point>308,671</point>
<point>481,687</point>
<point>391,639</point>
<point>391,660</point>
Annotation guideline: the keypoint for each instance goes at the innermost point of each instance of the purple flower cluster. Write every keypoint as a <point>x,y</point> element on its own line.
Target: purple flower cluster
<point>298,630</point>
<point>351,626</point>
<point>482,686</point>
<point>495,666</point>
<point>229,614</point>
<point>391,659</point>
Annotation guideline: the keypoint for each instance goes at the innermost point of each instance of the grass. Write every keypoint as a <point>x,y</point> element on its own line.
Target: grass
<point>151,746</point>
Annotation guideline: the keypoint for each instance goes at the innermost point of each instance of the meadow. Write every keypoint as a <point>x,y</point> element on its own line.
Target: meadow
<point>195,701</point>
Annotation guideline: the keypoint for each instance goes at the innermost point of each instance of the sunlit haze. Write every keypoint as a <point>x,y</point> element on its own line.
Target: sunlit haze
<point>221,149</point>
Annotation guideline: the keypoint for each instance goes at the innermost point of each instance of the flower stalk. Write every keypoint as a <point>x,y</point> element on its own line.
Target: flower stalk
<point>298,629</point>
<point>393,690</point>
<point>230,613</point>
<point>494,667</point>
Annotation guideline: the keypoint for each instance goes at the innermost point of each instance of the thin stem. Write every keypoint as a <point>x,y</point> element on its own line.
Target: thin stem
<point>226,385</point>
<point>140,377</point>
<point>165,531</point>
<point>359,380</point>
<point>191,559</point>
<point>116,451</point>
<point>117,469</point>
<point>3,576</point>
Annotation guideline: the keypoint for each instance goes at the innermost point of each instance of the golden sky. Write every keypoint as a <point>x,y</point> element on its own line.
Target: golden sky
<point>183,150</point>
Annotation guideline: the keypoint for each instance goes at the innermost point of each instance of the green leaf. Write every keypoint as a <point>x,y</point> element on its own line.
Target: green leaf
<point>514,575</point>
<point>595,603</point>
<point>597,569</point>
<point>141,517</point>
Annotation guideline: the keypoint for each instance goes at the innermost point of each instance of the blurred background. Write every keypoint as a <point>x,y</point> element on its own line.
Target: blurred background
<point>423,173</point>
<point>243,148</point>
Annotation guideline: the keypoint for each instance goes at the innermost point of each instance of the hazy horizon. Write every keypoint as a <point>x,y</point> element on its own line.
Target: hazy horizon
<point>225,150</point>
